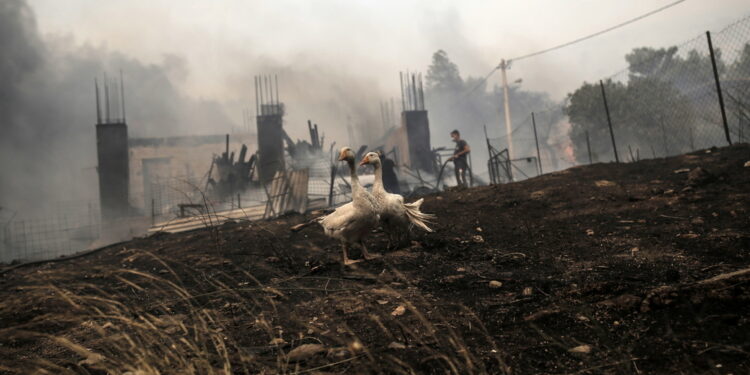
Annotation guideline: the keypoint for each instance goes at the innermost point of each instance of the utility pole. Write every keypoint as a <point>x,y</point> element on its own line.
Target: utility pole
<point>506,108</point>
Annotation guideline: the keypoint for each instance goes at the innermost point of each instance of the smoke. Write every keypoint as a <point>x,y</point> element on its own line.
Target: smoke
<point>47,109</point>
<point>333,98</point>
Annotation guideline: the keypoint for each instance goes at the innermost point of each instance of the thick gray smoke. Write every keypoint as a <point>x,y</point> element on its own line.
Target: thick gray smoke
<point>47,110</point>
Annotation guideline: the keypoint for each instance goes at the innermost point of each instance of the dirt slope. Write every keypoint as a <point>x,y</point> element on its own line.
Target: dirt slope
<point>597,269</point>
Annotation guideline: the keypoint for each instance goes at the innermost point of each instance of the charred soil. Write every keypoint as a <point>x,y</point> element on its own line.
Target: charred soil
<point>607,268</point>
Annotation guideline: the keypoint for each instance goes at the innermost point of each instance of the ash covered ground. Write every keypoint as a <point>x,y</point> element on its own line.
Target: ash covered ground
<point>608,268</point>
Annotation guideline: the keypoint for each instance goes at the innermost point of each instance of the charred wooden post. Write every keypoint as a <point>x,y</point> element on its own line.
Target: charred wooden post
<point>233,176</point>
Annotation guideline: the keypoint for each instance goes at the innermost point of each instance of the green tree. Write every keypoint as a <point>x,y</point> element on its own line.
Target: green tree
<point>736,86</point>
<point>663,105</point>
<point>443,75</point>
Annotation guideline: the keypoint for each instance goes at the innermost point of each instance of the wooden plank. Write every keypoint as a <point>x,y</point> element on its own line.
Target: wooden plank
<point>299,191</point>
<point>218,218</point>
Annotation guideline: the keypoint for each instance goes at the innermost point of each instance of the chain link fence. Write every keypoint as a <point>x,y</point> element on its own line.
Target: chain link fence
<point>666,102</point>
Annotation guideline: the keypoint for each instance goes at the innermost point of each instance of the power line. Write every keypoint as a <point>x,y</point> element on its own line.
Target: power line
<point>575,41</point>
<point>619,25</point>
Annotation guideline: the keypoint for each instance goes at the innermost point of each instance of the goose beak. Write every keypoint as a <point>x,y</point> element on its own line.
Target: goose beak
<point>365,160</point>
<point>342,156</point>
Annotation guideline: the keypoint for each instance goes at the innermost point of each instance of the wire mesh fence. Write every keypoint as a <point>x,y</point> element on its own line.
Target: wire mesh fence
<point>668,101</point>
<point>69,228</point>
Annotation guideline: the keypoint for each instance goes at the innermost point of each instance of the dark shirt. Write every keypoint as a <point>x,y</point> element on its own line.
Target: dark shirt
<point>460,146</point>
<point>390,181</point>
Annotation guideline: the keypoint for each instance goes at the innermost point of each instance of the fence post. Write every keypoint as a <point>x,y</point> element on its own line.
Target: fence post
<point>239,205</point>
<point>609,121</point>
<point>330,189</point>
<point>718,87</point>
<point>536,139</point>
<point>588,146</point>
<point>664,139</point>
<point>489,160</point>
<point>153,211</point>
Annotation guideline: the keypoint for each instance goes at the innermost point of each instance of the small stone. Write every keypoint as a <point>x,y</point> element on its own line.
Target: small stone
<point>356,346</point>
<point>527,291</point>
<point>589,232</point>
<point>400,310</point>
<point>634,251</point>
<point>747,164</point>
<point>604,183</point>
<point>669,192</point>
<point>305,351</point>
<point>682,170</point>
<point>698,221</point>
<point>479,229</point>
<point>537,194</point>
<point>277,341</point>
<point>585,349</point>
<point>494,284</point>
<point>478,239</point>
<point>460,269</point>
<point>382,302</point>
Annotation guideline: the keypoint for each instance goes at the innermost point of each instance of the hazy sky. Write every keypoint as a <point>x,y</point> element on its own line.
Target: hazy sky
<point>221,40</point>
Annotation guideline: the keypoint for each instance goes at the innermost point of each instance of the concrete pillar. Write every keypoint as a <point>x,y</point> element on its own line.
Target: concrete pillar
<point>114,170</point>
<point>418,134</point>
<point>270,146</point>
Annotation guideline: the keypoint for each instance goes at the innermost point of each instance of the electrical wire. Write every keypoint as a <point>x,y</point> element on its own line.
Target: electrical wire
<point>619,25</point>
<point>575,41</point>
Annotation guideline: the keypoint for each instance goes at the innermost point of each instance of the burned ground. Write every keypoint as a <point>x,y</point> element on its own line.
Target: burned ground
<point>608,268</point>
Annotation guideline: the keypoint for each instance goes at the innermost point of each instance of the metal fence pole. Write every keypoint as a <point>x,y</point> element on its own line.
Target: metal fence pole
<point>330,189</point>
<point>718,88</point>
<point>609,121</point>
<point>536,139</point>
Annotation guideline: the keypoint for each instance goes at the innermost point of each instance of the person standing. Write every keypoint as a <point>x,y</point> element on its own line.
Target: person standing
<point>390,180</point>
<point>460,165</point>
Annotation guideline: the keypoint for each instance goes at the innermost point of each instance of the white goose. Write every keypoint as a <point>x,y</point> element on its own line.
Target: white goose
<point>395,215</point>
<point>352,222</point>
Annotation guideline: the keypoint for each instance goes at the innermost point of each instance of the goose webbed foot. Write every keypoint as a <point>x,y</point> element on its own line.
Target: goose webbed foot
<point>345,258</point>
<point>368,255</point>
